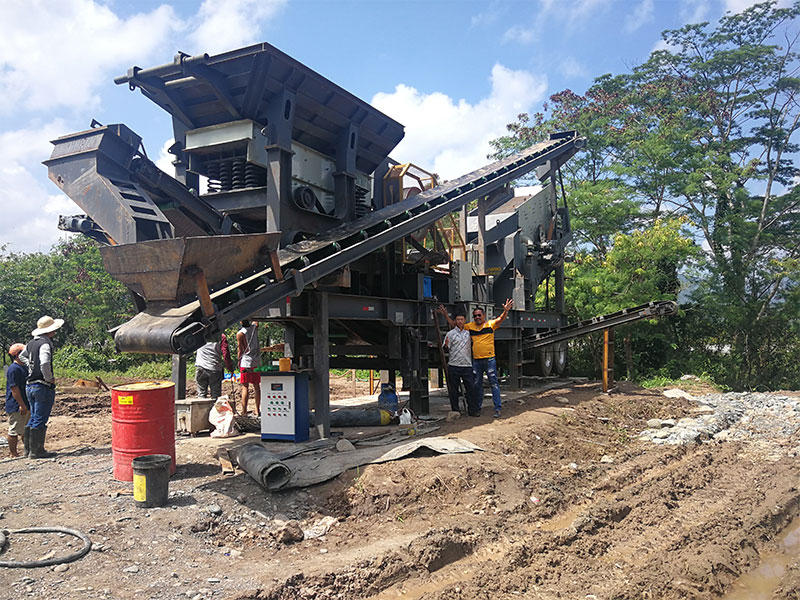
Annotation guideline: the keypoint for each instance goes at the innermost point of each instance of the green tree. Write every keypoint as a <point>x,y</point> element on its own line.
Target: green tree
<point>705,129</point>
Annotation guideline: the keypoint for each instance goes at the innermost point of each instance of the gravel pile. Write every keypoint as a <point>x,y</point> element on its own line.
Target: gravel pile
<point>735,416</point>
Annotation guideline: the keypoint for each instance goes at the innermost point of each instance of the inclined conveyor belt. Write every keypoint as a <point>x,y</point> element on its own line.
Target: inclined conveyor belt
<point>170,329</point>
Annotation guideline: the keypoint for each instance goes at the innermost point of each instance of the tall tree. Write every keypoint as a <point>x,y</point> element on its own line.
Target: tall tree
<point>705,129</point>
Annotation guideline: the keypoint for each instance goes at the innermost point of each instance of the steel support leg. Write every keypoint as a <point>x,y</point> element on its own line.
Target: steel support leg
<point>179,375</point>
<point>515,364</point>
<point>608,359</point>
<point>419,393</point>
<point>321,377</point>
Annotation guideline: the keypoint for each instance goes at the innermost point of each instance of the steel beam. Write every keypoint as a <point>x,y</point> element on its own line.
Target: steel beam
<point>321,376</point>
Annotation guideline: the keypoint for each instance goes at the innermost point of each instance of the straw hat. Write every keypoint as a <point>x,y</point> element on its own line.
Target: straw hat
<point>16,349</point>
<point>46,324</point>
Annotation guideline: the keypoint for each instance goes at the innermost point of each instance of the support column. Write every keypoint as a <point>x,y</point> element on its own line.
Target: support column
<point>515,364</point>
<point>608,359</point>
<point>279,184</point>
<point>179,375</point>
<point>321,377</point>
<point>561,308</point>
<point>481,236</point>
<point>419,394</point>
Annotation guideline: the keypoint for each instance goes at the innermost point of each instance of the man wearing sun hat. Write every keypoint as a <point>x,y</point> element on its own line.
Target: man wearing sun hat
<point>41,388</point>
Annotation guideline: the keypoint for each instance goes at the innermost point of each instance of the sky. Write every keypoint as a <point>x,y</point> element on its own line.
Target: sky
<point>454,72</point>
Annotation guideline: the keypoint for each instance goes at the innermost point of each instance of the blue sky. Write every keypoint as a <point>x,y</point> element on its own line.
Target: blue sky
<point>454,72</point>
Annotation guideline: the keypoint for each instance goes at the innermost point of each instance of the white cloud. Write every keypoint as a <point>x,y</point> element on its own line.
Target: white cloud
<point>737,6</point>
<point>229,24</point>
<point>520,34</point>
<point>642,14</point>
<point>30,209</point>
<point>572,15</point>
<point>570,68</point>
<point>579,11</point>
<point>664,45</point>
<point>694,11</point>
<point>452,137</point>
<point>488,16</point>
<point>164,160</point>
<point>54,54</point>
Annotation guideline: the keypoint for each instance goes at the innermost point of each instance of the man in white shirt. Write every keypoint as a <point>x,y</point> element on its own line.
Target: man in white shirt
<point>459,368</point>
<point>249,358</point>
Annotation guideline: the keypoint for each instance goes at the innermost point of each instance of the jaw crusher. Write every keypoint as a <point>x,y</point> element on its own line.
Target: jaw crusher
<point>286,206</point>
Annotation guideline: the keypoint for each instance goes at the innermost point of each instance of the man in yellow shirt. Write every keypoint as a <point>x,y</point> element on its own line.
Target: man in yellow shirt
<point>483,359</point>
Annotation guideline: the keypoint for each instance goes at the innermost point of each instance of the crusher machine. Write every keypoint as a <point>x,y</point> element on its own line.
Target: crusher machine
<point>285,206</point>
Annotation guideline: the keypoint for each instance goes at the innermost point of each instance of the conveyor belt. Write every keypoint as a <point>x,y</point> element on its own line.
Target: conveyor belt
<point>650,310</point>
<point>307,261</point>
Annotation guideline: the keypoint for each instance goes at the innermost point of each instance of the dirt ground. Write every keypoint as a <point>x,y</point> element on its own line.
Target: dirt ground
<point>564,501</point>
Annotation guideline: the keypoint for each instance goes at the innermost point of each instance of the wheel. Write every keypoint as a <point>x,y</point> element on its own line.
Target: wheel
<point>544,361</point>
<point>559,350</point>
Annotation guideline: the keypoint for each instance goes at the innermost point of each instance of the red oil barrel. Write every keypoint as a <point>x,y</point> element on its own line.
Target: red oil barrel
<point>142,423</point>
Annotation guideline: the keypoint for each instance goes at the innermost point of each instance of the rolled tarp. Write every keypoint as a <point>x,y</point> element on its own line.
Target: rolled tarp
<point>263,466</point>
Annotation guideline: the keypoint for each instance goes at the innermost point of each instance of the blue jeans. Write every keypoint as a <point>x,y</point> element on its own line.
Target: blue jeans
<point>488,365</point>
<point>41,399</point>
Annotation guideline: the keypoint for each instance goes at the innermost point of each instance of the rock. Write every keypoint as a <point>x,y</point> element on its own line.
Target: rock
<point>344,445</point>
<point>572,466</point>
<point>290,533</point>
<point>453,415</point>
<point>668,423</point>
<point>654,423</point>
<point>131,569</point>
<point>61,568</point>
<point>280,519</point>
<point>214,509</point>
<point>677,393</point>
<point>213,580</point>
<point>660,434</point>
<point>235,553</point>
<point>690,378</point>
<point>606,459</point>
<point>204,525</point>
<point>197,597</point>
<point>323,550</point>
<point>561,400</point>
<point>241,499</point>
<point>320,528</point>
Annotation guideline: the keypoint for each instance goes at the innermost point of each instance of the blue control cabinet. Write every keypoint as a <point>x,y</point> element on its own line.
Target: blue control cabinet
<point>284,406</point>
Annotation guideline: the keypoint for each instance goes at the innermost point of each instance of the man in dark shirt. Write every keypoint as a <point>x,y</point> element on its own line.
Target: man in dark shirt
<point>41,389</point>
<point>16,401</point>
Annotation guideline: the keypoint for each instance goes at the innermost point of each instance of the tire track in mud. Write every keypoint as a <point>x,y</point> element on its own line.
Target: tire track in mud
<point>672,523</point>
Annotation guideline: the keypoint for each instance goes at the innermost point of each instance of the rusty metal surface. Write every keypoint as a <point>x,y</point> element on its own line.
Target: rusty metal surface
<point>163,270</point>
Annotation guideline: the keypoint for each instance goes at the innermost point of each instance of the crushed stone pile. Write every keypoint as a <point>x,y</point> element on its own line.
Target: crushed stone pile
<point>733,416</point>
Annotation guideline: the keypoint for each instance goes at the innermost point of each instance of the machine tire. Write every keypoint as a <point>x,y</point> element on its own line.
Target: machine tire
<point>559,350</point>
<point>544,361</point>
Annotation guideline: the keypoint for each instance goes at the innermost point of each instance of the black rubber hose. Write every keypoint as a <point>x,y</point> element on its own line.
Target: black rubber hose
<point>21,564</point>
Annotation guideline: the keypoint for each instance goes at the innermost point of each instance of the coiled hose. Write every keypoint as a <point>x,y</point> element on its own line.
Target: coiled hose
<point>14,564</point>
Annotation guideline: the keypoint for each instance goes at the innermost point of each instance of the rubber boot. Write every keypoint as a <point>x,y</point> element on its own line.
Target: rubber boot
<point>37,443</point>
<point>26,442</point>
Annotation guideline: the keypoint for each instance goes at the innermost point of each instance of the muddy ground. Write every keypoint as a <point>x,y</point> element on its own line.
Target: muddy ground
<point>564,501</point>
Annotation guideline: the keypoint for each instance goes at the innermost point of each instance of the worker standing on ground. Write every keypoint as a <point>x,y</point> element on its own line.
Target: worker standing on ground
<point>41,388</point>
<point>459,367</point>
<point>483,359</point>
<point>210,363</point>
<point>17,402</point>
<point>249,353</point>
